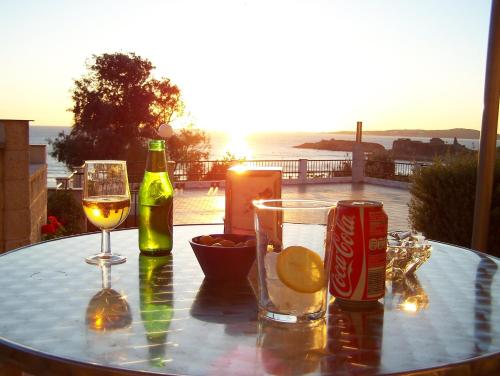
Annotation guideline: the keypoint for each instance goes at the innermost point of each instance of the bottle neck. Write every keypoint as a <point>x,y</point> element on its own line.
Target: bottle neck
<point>156,161</point>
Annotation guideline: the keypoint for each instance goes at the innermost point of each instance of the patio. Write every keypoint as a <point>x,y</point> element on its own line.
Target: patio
<point>207,205</point>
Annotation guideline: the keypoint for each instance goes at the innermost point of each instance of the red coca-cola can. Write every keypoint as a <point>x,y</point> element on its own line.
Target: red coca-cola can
<point>359,252</point>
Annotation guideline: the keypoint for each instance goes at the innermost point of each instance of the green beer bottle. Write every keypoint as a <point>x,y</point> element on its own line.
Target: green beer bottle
<point>157,303</point>
<point>156,201</point>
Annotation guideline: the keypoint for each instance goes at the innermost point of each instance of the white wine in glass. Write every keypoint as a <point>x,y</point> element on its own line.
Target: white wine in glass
<point>106,203</point>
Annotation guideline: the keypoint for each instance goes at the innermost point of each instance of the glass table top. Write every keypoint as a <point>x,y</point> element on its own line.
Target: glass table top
<point>160,316</point>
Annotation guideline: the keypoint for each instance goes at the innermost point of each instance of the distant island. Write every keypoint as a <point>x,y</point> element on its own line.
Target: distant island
<point>402,148</point>
<point>431,133</point>
<point>340,145</point>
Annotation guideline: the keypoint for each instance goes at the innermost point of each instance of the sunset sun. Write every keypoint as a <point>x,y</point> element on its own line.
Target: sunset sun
<point>237,145</point>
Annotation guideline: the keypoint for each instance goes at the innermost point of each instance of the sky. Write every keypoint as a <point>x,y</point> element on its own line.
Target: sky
<point>256,65</point>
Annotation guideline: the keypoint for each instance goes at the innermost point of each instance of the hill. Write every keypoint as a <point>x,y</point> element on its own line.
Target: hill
<point>439,133</point>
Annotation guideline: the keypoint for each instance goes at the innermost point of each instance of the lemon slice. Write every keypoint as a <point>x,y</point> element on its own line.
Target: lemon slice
<point>301,269</point>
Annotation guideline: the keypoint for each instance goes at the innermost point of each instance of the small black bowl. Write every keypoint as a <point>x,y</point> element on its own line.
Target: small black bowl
<point>225,263</point>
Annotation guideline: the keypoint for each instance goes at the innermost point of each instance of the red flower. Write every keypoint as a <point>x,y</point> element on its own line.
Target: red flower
<point>54,221</point>
<point>53,229</point>
<point>49,229</point>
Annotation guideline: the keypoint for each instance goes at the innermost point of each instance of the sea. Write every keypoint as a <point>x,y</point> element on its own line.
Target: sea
<point>263,145</point>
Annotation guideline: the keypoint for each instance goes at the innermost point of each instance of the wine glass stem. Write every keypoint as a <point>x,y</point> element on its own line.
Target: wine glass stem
<point>105,243</point>
<point>106,276</point>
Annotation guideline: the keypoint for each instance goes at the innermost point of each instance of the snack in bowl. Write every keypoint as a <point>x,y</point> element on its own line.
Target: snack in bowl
<point>224,256</point>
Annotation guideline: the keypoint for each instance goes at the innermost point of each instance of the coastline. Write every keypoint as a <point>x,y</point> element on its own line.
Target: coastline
<point>270,146</point>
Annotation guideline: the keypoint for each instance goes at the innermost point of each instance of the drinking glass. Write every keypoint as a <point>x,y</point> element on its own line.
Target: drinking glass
<point>293,258</point>
<point>106,203</point>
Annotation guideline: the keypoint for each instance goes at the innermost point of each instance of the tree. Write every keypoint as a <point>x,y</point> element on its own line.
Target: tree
<point>188,144</point>
<point>117,106</point>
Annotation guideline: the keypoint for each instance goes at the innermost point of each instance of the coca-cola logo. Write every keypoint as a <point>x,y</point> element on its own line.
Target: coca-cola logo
<point>344,255</point>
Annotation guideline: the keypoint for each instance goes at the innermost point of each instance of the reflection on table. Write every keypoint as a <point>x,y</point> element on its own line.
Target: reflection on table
<point>108,318</point>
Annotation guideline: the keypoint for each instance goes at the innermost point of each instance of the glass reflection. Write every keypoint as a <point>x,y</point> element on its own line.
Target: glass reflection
<point>354,339</point>
<point>108,318</point>
<point>108,309</point>
<point>157,303</point>
<point>291,349</point>
<point>406,294</point>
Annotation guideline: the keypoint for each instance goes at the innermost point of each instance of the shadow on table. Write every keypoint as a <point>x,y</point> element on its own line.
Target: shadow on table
<point>486,270</point>
<point>230,303</point>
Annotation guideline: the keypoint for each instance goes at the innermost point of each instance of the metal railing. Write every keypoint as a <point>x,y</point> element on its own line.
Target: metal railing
<point>328,168</point>
<point>400,171</point>
<point>216,170</point>
<point>298,169</point>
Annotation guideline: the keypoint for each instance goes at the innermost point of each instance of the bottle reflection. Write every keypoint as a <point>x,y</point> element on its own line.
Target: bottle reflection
<point>291,349</point>
<point>108,309</point>
<point>156,299</point>
<point>354,339</point>
<point>406,294</point>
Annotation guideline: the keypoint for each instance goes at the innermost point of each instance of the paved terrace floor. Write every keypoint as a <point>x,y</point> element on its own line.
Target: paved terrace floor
<point>207,205</point>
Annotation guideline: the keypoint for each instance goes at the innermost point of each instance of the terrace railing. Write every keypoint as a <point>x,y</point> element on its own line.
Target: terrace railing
<point>318,168</point>
<point>292,169</point>
<point>300,170</point>
<point>400,171</point>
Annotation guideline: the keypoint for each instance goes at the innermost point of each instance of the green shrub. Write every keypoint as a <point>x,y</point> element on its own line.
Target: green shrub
<point>63,205</point>
<point>219,168</point>
<point>380,164</point>
<point>442,202</point>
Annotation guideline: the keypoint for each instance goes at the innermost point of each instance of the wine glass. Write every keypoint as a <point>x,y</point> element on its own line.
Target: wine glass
<point>106,203</point>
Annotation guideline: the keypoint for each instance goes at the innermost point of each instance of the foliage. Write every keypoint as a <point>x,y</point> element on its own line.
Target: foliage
<point>117,106</point>
<point>380,164</point>
<point>442,203</point>
<point>188,144</point>
<point>63,205</point>
<point>219,168</point>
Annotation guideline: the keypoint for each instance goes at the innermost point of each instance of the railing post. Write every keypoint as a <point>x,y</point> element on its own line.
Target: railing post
<point>77,177</point>
<point>303,170</point>
<point>358,163</point>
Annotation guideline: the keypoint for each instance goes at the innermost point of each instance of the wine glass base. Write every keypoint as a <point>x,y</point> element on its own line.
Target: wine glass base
<point>103,258</point>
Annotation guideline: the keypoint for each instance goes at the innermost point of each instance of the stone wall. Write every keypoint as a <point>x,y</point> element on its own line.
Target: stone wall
<point>38,201</point>
<point>23,187</point>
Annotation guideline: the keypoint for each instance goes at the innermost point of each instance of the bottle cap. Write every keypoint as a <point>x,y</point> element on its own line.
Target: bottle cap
<point>156,145</point>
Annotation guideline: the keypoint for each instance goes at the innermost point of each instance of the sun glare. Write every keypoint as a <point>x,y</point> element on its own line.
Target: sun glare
<point>237,145</point>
